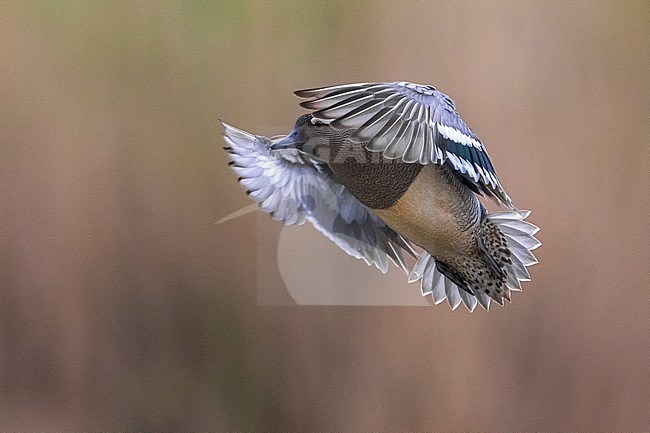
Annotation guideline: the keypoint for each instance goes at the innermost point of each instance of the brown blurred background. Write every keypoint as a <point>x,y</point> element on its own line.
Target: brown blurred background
<point>124,307</point>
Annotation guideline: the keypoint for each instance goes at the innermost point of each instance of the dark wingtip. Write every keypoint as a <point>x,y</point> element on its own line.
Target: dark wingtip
<point>306,93</point>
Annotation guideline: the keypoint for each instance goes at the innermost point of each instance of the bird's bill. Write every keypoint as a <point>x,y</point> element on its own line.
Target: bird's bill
<point>291,141</point>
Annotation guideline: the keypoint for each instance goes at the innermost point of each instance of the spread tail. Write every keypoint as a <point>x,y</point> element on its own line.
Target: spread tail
<point>505,244</point>
<point>507,240</point>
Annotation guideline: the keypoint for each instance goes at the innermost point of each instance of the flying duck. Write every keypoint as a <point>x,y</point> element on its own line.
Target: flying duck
<point>386,170</point>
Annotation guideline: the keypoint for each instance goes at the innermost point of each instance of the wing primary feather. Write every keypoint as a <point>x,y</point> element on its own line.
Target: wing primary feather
<point>331,98</point>
<point>414,146</point>
<point>319,92</point>
<point>371,127</point>
<point>395,149</point>
<point>360,114</point>
<point>398,145</point>
<point>383,137</point>
<point>340,108</point>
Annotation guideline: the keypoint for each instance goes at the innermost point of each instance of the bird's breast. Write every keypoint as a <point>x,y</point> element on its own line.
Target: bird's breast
<point>436,212</point>
<point>375,181</point>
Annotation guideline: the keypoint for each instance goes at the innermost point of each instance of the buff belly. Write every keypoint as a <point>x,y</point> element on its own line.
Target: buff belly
<point>435,213</point>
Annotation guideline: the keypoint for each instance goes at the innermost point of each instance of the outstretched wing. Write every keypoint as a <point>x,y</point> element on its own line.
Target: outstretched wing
<point>410,121</point>
<point>294,189</point>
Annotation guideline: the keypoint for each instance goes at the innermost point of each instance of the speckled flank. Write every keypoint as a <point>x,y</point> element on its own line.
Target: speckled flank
<point>492,280</point>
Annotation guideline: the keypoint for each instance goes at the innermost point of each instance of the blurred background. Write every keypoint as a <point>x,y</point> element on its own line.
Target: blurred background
<point>124,307</point>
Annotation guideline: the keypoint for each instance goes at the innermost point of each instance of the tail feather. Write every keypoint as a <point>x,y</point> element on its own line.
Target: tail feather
<point>483,299</point>
<point>440,287</point>
<point>523,252</point>
<point>520,238</point>
<point>453,294</point>
<point>469,300</point>
<point>438,290</point>
<point>510,246</point>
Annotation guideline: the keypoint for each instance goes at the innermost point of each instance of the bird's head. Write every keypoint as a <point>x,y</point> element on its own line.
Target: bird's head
<point>313,137</point>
